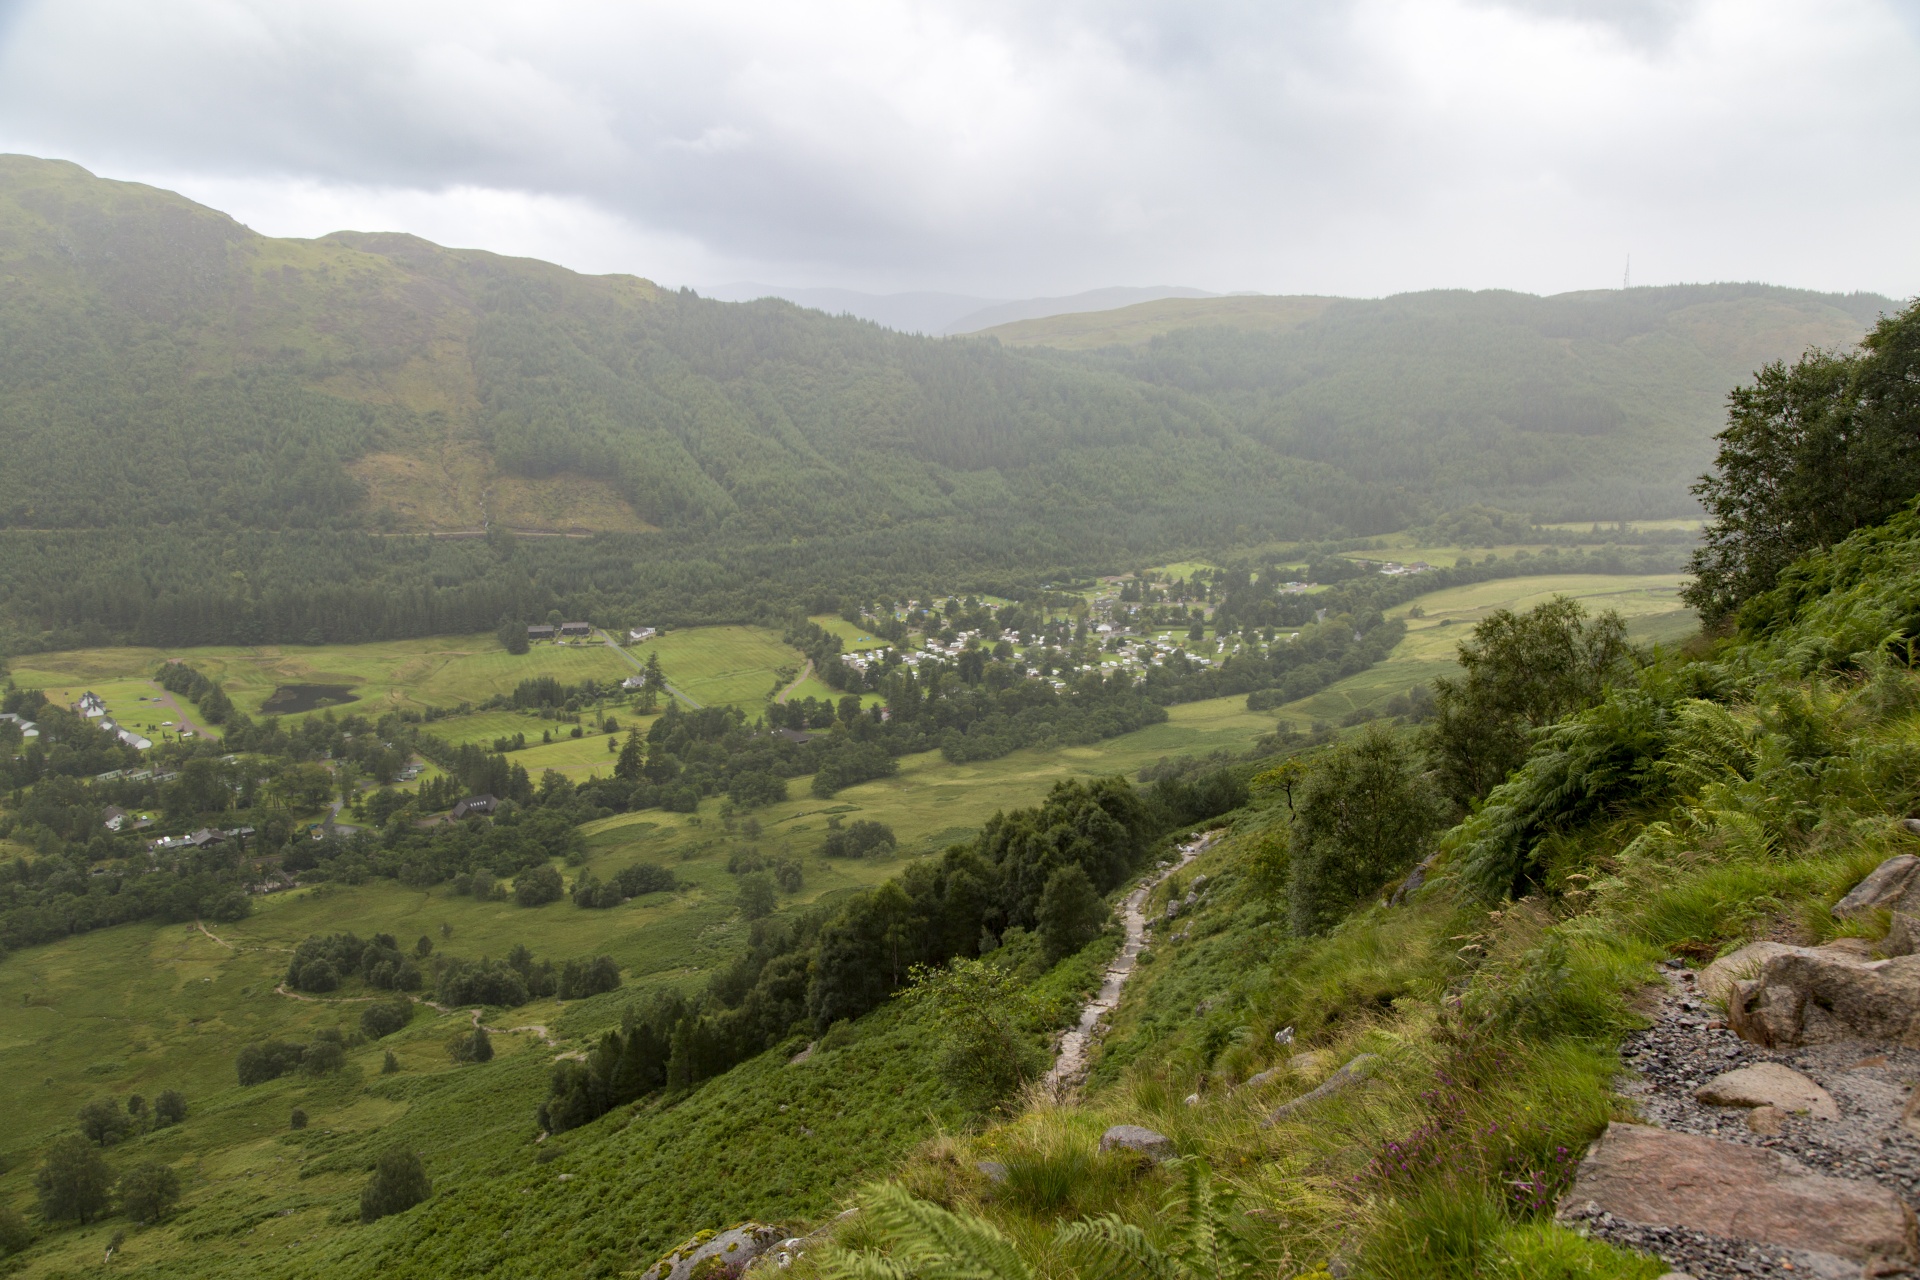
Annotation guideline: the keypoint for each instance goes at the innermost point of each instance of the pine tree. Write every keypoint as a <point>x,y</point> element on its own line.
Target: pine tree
<point>633,758</point>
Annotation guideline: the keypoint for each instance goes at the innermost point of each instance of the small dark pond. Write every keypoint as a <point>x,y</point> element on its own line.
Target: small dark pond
<point>289,699</point>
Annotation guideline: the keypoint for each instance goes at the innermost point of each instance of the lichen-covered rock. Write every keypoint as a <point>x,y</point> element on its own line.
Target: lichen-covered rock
<point>716,1255</point>
<point>1133,1137</point>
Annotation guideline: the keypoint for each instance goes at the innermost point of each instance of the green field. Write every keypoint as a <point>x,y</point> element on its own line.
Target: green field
<point>436,672</point>
<point>1650,603</point>
<point>720,666</point>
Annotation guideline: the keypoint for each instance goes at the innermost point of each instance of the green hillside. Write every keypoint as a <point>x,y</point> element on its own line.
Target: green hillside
<point>275,420</point>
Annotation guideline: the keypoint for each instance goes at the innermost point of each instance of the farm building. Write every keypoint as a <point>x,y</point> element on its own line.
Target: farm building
<point>540,631</point>
<point>576,630</point>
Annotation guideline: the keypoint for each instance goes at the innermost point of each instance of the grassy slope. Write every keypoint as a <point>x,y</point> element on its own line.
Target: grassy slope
<point>1144,321</point>
<point>145,1007</point>
<point>1497,1057</point>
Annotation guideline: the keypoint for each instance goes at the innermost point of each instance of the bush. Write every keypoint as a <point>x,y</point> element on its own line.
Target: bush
<point>538,886</point>
<point>786,874</point>
<point>298,1120</point>
<point>169,1108</point>
<point>582,978</point>
<point>327,1052</point>
<point>862,839</point>
<point>73,1181</point>
<point>384,1017</point>
<point>267,1060</point>
<point>399,1182</point>
<point>644,877</point>
<point>757,899</point>
<point>15,1234</point>
<point>1363,817</point>
<point>389,1064</point>
<point>317,975</point>
<point>149,1191</point>
<point>105,1122</point>
<point>473,1046</point>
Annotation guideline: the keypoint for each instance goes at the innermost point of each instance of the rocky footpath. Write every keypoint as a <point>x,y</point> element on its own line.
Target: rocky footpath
<point>1781,1136</point>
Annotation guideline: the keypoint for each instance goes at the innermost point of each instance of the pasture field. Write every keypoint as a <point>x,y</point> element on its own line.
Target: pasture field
<point>1650,603</point>
<point>718,666</point>
<point>852,639</point>
<point>439,672</point>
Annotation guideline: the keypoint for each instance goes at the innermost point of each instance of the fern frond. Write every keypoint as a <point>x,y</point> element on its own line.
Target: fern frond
<point>1106,1248</point>
<point>930,1243</point>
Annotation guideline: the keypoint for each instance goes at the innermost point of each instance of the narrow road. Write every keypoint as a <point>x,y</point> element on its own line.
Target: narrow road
<point>1071,1064</point>
<point>640,666</point>
<point>782,696</point>
<point>181,720</point>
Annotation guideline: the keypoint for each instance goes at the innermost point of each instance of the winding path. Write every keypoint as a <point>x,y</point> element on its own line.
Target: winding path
<point>1071,1064</point>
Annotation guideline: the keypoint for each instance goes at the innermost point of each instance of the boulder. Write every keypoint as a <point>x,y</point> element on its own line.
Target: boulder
<point>1132,1137</point>
<point>716,1255</point>
<point>1354,1072</point>
<point>1739,1192</point>
<point>1717,979</point>
<point>1815,995</point>
<point>1883,886</point>
<point>1769,1084</point>
<point>992,1170</point>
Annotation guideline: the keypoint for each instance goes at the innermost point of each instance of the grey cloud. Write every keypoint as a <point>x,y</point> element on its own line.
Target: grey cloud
<point>1008,149</point>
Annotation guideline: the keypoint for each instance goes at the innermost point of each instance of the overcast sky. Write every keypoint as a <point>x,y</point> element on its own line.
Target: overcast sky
<point>1016,149</point>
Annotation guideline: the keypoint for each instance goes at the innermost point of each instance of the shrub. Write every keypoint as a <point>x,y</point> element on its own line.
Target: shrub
<point>860,840</point>
<point>644,877</point>
<point>15,1234</point>
<point>149,1191</point>
<point>389,1064</point>
<point>169,1108</point>
<point>105,1122</point>
<point>1363,817</point>
<point>399,1182</point>
<point>537,886</point>
<point>384,1017</point>
<point>471,1046</point>
<point>757,899</point>
<point>267,1060</point>
<point>316,975</point>
<point>73,1181</point>
<point>327,1052</point>
<point>582,978</point>
<point>787,874</point>
<point>298,1120</point>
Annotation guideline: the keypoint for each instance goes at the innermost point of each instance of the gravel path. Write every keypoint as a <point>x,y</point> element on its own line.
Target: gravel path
<point>1071,1063</point>
<point>1688,1045</point>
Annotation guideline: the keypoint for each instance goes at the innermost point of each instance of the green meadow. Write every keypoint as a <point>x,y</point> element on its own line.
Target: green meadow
<point>141,1008</point>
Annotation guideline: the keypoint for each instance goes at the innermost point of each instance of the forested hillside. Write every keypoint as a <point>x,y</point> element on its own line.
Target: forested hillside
<point>213,435</point>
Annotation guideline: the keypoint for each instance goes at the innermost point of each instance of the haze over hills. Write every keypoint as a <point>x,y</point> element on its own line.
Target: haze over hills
<point>946,313</point>
<point>165,369</point>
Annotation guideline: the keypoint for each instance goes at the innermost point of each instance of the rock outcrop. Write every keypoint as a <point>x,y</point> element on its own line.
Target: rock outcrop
<point>1738,1192</point>
<point>1133,1137</point>
<point>1814,995</point>
<point>716,1255</point>
<point>1354,1072</point>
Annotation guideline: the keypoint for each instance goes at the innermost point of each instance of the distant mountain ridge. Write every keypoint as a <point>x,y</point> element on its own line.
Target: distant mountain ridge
<point>192,412</point>
<point>936,314</point>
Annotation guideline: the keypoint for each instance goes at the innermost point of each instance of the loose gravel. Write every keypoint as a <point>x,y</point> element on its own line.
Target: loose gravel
<point>1688,1045</point>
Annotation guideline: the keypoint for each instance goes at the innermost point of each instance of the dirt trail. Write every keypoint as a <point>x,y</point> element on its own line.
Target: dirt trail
<point>1071,1064</point>
<point>782,696</point>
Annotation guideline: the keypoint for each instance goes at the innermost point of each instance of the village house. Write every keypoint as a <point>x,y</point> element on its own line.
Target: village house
<point>90,705</point>
<point>474,804</point>
<point>28,729</point>
<point>113,817</point>
<point>576,630</point>
<point>539,631</point>
<point>638,634</point>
